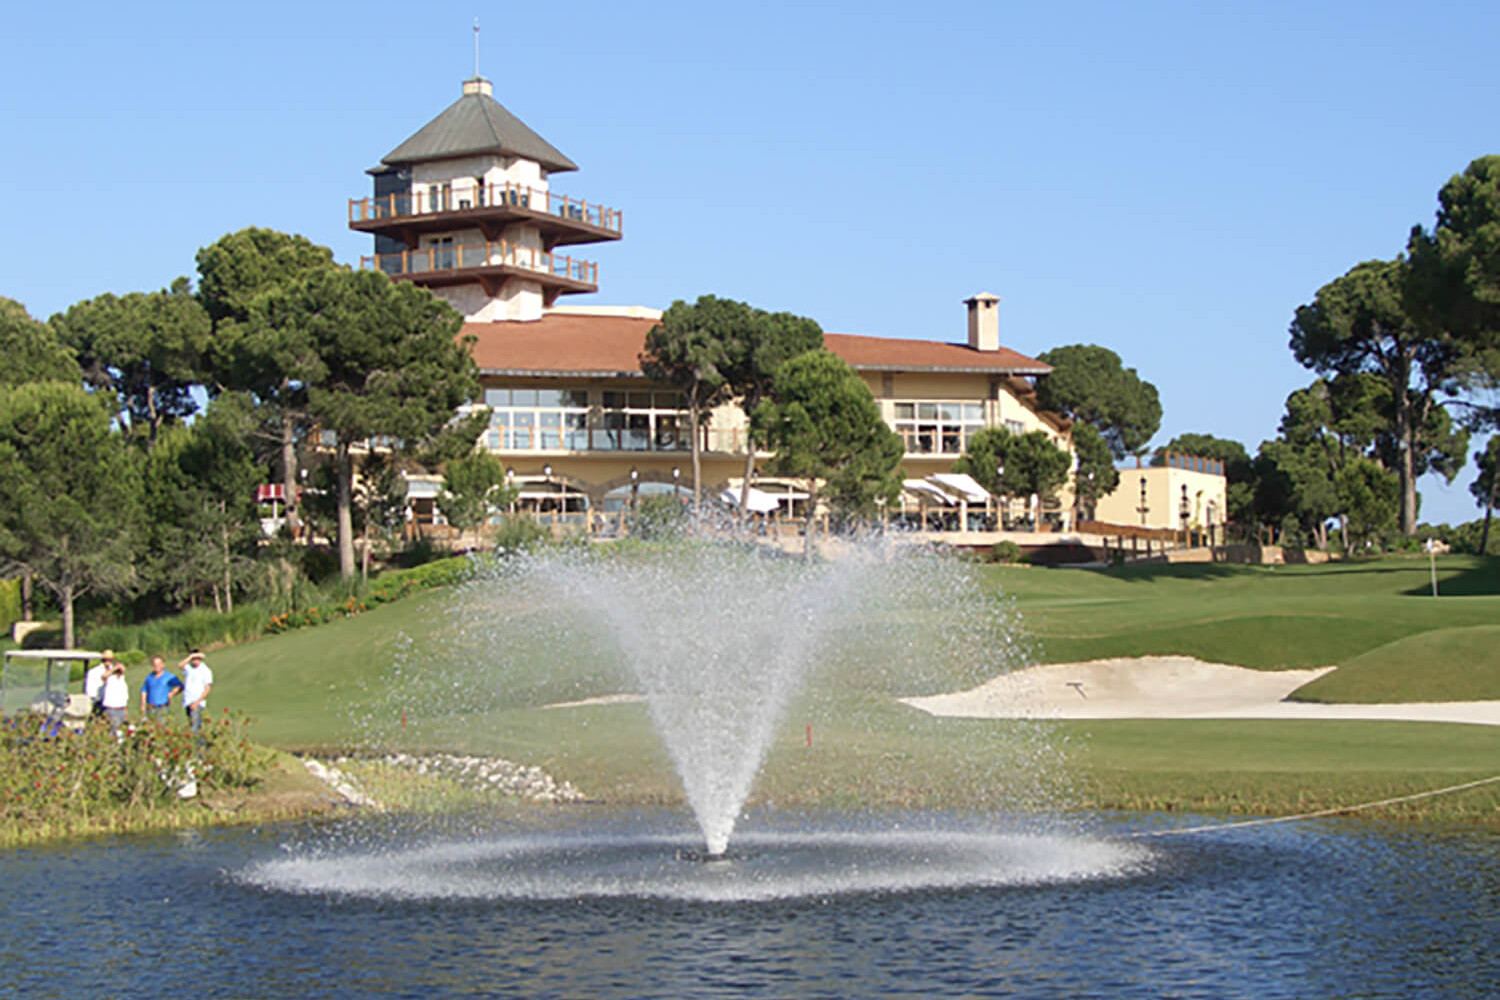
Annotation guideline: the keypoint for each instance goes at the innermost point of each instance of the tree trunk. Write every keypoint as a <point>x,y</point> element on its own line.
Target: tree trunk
<point>1405,458</point>
<point>745,486</point>
<point>28,600</point>
<point>697,447</point>
<point>345,474</point>
<point>289,466</point>
<point>65,598</point>
<point>228,566</point>
<point>364,550</point>
<point>1489,507</point>
<point>812,514</point>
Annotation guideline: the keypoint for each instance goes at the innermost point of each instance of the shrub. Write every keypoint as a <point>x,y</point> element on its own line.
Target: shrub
<point>658,518</point>
<point>519,533</point>
<point>10,604</point>
<point>1005,552</point>
<point>63,777</point>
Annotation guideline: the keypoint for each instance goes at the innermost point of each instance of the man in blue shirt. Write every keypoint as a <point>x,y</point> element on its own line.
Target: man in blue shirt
<point>157,691</point>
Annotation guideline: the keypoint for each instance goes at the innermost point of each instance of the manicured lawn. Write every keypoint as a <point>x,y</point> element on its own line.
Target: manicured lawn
<point>351,682</point>
<point>1261,617</point>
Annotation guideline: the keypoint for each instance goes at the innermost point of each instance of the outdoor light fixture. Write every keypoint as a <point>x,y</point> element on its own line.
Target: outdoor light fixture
<point>547,470</point>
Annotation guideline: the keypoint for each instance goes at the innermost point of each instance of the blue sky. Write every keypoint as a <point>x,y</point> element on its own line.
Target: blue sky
<point>1168,180</point>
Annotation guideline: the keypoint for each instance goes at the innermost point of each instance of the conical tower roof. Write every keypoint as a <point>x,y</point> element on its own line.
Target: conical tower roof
<point>477,123</point>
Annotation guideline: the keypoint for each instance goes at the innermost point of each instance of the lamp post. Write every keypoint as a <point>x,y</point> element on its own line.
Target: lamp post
<point>676,482</point>
<point>635,486</point>
<point>510,487</point>
<point>1000,495</point>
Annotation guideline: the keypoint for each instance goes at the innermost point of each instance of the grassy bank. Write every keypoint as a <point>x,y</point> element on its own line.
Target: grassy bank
<point>358,680</point>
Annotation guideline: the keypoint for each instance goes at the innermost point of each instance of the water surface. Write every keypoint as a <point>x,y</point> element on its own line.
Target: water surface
<point>1325,910</point>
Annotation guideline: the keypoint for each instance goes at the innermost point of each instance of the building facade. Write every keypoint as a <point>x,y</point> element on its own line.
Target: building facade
<point>1184,493</point>
<point>465,207</point>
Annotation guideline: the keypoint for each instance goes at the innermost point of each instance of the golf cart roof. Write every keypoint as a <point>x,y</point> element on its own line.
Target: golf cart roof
<point>52,654</point>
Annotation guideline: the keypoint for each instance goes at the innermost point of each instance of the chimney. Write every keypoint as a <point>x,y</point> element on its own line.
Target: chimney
<point>984,322</point>
<point>478,85</point>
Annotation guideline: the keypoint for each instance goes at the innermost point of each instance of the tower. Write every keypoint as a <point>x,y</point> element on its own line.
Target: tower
<point>465,207</point>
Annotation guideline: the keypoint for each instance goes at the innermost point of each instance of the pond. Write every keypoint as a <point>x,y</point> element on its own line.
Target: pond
<point>826,906</point>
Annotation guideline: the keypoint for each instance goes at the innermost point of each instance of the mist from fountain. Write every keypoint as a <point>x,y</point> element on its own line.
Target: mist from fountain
<point>720,638</point>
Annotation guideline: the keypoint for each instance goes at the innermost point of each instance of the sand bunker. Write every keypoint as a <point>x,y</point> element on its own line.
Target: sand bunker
<point>1172,687</point>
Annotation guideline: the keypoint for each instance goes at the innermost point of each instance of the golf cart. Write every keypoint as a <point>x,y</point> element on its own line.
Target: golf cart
<point>38,681</point>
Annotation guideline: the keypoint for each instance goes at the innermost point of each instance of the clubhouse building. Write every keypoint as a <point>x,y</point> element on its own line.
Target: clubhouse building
<point>465,207</point>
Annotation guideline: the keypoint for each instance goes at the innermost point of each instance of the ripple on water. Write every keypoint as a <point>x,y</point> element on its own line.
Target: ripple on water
<point>764,866</point>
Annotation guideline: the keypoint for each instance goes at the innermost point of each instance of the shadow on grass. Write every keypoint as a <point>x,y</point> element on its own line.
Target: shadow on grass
<point>1481,579</point>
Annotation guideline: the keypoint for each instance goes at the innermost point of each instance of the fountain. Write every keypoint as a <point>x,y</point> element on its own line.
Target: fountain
<point>719,639</point>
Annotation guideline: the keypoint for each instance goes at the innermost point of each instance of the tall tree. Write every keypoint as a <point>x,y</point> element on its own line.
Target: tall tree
<point>473,486</point>
<point>691,349</point>
<point>1486,486</point>
<point>1239,471</point>
<point>72,494</point>
<point>1096,475</point>
<point>390,365</point>
<point>200,502</point>
<point>1360,323</point>
<point>1032,463</point>
<point>1369,496</point>
<point>248,352</point>
<point>1091,384</point>
<point>31,349</point>
<point>825,427</point>
<point>762,348</point>
<point>146,348</point>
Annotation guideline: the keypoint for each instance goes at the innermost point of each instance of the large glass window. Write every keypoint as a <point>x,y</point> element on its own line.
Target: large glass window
<point>642,421</point>
<point>937,428</point>
<point>538,419</point>
<point>558,420</point>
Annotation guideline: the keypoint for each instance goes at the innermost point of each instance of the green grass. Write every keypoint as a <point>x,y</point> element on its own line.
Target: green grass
<point>1452,664</point>
<point>346,682</point>
<point>1260,617</point>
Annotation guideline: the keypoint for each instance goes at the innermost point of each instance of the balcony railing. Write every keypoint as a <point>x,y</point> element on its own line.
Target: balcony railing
<point>474,255</point>
<point>462,199</point>
<point>594,438</point>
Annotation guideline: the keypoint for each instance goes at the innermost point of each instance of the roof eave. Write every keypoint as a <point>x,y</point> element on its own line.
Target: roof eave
<point>950,369</point>
<point>561,373</point>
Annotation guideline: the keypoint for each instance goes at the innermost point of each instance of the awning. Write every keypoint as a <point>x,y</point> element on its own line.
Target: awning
<point>423,489</point>
<point>270,493</point>
<point>964,485</point>
<point>759,502</point>
<point>923,488</point>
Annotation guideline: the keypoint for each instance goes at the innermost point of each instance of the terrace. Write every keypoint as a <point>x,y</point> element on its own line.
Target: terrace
<point>488,208</point>
<point>490,264</point>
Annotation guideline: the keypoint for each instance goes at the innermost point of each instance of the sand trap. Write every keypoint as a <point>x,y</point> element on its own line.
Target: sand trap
<point>1172,687</point>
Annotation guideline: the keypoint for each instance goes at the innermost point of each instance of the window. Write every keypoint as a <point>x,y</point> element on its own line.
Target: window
<point>937,428</point>
<point>537,419</point>
<point>643,421</point>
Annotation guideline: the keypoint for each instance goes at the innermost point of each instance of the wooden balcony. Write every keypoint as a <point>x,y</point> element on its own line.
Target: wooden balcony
<point>490,265</point>
<point>490,208</point>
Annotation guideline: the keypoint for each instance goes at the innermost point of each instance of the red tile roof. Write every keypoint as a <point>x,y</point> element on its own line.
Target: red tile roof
<point>611,345</point>
<point>888,354</point>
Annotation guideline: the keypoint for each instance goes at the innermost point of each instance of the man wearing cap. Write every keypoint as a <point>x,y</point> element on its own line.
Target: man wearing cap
<point>93,683</point>
<point>157,691</point>
<point>115,695</point>
<point>197,681</point>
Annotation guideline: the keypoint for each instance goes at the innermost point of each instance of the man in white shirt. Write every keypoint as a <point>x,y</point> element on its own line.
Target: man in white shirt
<point>93,682</point>
<point>115,695</point>
<point>197,681</point>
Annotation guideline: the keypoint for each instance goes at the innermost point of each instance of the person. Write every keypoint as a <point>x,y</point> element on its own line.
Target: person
<point>197,681</point>
<point>115,696</point>
<point>93,683</point>
<point>158,690</point>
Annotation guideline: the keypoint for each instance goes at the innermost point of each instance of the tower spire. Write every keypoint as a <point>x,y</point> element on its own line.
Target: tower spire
<point>476,46</point>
